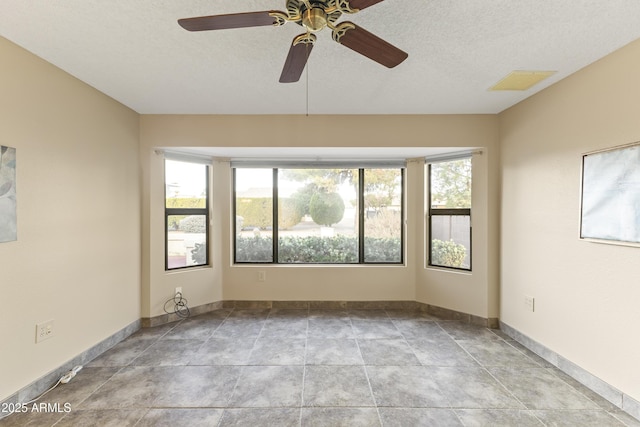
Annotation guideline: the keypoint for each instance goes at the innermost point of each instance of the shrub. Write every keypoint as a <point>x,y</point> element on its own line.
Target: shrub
<point>254,249</point>
<point>193,224</point>
<point>199,253</point>
<point>448,254</point>
<point>326,208</point>
<point>289,213</point>
<point>303,196</point>
<point>382,249</point>
<point>314,249</point>
<point>256,211</point>
<point>182,202</point>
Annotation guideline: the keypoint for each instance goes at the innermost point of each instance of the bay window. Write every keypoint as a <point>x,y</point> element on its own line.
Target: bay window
<point>319,215</point>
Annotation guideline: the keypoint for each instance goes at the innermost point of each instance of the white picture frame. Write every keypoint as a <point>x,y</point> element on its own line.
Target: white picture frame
<point>610,195</point>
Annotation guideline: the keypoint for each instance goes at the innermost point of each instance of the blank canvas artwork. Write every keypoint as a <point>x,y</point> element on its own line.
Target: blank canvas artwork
<point>8,220</point>
<point>611,195</point>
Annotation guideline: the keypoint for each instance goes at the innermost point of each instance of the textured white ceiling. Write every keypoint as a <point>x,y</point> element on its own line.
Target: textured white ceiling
<point>135,52</point>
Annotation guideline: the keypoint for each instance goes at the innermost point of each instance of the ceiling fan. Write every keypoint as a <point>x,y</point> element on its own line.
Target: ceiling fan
<point>313,15</point>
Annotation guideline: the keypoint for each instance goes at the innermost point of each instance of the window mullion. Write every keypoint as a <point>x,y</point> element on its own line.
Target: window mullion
<point>361,212</point>
<point>402,214</point>
<point>186,211</point>
<point>450,212</point>
<point>274,226</point>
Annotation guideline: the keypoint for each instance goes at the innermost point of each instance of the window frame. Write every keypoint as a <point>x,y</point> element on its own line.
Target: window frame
<point>168,212</point>
<point>431,212</point>
<point>361,215</point>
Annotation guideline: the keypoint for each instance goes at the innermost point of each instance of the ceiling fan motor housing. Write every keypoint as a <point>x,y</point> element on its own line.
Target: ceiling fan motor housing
<point>314,19</point>
<point>314,15</point>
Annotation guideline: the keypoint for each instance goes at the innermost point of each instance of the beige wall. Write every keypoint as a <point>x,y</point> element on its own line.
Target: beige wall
<point>82,156</point>
<point>77,257</point>
<point>586,294</point>
<point>475,293</point>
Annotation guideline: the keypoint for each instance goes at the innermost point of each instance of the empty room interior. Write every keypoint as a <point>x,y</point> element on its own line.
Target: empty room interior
<point>256,306</point>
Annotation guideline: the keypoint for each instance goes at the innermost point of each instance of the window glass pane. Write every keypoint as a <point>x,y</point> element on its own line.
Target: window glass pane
<point>186,214</point>
<point>254,215</point>
<point>451,184</point>
<point>317,216</point>
<point>451,241</point>
<point>383,215</point>
<point>185,184</point>
<point>186,240</point>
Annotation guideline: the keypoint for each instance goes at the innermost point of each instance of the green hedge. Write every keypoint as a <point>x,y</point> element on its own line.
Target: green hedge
<point>193,224</point>
<point>254,249</point>
<point>447,254</point>
<point>257,212</point>
<point>182,202</point>
<point>337,249</point>
<point>314,249</point>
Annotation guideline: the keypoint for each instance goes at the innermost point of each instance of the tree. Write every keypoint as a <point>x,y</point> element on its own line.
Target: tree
<point>318,181</point>
<point>326,208</point>
<point>324,179</point>
<point>451,184</point>
<point>302,197</point>
<point>380,187</point>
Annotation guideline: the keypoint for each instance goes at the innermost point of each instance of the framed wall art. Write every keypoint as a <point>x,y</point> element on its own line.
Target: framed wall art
<point>8,220</point>
<point>610,202</point>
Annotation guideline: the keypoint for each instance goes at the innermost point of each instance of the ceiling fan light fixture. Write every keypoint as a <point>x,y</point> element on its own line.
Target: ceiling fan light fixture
<point>521,80</point>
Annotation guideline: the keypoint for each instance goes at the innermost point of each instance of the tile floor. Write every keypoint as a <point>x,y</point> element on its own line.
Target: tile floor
<point>322,368</point>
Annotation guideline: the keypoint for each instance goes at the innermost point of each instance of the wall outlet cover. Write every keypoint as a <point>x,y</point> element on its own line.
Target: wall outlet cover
<point>44,331</point>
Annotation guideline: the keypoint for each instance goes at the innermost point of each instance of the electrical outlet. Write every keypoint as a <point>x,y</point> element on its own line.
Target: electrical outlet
<point>262,276</point>
<point>178,292</point>
<point>529,302</point>
<point>44,330</point>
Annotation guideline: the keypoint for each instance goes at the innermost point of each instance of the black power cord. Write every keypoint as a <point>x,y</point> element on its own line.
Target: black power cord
<point>180,307</point>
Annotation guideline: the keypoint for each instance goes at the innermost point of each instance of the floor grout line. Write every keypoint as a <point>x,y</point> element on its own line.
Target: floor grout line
<point>377,380</point>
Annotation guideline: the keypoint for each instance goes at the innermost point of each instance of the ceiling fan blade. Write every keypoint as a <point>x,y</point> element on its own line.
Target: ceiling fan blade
<point>234,20</point>
<point>297,58</point>
<point>368,44</point>
<point>362,4</point>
